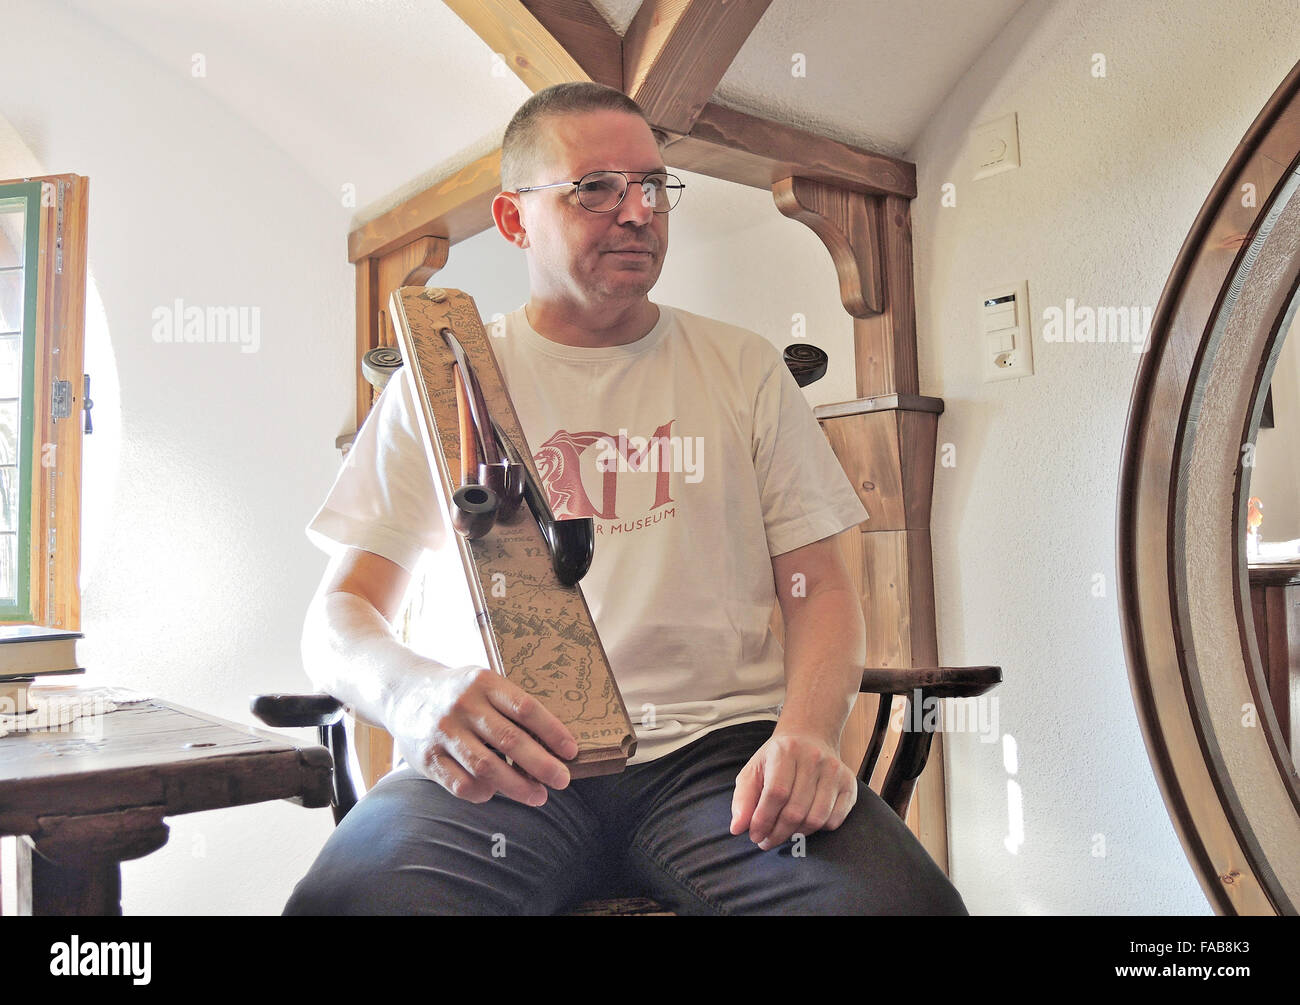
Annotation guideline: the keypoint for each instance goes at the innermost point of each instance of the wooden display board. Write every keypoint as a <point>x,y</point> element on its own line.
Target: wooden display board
<point>536,631</point>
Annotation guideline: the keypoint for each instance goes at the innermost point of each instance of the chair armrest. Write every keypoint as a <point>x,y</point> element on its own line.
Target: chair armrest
<point>913,745</point>
<point>281,710</point>
<point>325,713</point>
<point>935,682</point>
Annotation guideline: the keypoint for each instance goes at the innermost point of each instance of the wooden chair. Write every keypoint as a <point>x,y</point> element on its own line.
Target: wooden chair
<point>913,747</point>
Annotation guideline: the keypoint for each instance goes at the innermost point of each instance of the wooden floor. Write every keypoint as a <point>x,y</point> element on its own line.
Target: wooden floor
<point>620,906</point>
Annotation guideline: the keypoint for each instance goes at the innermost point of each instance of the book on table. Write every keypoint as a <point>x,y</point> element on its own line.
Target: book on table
<point>28,652</point>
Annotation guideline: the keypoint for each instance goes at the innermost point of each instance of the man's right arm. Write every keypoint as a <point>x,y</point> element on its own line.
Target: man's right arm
<point>348,646</point>
<point>447,722</point>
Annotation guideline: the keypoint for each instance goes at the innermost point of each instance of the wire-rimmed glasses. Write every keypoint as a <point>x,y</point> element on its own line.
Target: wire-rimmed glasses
<point>603,191</point>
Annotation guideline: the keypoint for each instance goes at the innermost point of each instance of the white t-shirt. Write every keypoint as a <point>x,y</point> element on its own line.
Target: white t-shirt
<point>681,585</point>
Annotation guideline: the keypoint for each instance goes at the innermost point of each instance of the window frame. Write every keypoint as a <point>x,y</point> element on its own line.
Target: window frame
<point>50,449</point>
<point>28,193</point>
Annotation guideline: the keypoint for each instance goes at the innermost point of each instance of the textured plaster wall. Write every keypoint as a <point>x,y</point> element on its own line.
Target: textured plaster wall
<point>1115,170</point>
<point>205,460</point>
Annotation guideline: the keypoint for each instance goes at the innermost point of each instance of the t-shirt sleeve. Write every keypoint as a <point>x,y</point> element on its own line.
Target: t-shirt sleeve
<point>383,499</point>
<point>805,494</point>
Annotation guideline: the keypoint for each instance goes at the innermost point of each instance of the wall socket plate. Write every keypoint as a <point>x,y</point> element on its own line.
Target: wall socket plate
<point>995,146</point>
<point>1005,333</point>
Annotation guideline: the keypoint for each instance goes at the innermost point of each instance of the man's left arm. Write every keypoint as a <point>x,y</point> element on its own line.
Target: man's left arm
<point>796,782</point>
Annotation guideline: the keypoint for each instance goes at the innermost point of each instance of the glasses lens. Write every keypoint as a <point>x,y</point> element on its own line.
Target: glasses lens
<point>601,191</point>
<point>661,191</point>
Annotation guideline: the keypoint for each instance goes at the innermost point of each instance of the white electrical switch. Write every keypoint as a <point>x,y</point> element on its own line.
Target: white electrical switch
<point>1005,334</point>
<point>995,146</point>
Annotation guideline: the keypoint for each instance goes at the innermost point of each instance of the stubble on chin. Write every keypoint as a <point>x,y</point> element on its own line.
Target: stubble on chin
<point>628,284</point>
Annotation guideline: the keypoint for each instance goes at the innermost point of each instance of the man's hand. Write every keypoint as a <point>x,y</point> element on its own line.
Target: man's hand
<point>794,783</point>
<point>454,725</point>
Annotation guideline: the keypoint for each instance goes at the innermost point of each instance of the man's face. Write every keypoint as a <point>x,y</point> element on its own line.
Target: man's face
<point>594,257</point>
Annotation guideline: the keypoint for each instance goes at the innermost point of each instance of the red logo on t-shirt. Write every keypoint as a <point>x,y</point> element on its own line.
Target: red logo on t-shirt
<point>559,462</point>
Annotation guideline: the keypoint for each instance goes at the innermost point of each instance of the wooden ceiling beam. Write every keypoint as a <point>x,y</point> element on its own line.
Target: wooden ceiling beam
<point>745,149</point>
<point>537,37</point>
<point>455,208</point>
<point>585,35</point>
<point>676,51</point>
<point>536,55</point>
<point>725,144</point>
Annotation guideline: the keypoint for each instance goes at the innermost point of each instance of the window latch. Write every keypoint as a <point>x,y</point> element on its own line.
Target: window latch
<point>61,405</point>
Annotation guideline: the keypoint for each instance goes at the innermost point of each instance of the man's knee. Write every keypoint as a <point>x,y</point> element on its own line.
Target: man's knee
<point>310,898</point>
<point>409,847</point>
<point>318,895</point>
<point>409,892</point>
<point>892,871</point>
<point>936,896</point>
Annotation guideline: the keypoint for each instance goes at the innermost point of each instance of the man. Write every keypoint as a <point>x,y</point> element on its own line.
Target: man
<point>736,800</point>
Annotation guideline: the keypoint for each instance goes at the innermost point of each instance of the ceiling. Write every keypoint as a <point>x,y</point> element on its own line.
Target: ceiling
<point>390,95</point>
<point>875,69</point>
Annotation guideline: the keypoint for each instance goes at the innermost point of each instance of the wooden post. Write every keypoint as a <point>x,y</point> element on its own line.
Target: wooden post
<point>412,264</point>
<point>886,442</point>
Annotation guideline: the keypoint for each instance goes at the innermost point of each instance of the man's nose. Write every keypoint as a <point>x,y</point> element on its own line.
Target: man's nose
<point>636,205</point>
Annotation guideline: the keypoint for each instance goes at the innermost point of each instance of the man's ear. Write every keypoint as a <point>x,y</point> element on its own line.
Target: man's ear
<point>509,222</point>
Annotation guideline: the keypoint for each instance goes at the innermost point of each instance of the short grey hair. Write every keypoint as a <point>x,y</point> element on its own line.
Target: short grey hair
<point>521,149</point>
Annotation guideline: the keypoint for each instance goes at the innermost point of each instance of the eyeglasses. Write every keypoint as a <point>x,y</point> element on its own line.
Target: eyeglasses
<point>603,191</point>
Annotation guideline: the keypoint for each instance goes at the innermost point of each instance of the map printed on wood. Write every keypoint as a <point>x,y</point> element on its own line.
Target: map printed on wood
<point>536,631</point>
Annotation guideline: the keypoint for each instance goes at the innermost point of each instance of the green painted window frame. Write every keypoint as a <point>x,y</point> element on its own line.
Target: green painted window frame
<point>28,193</point>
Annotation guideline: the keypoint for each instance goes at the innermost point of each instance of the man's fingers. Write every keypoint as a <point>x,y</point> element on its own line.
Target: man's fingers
<point>511,739</point>
<point>749,783</point>
<point>848,798</point>
<point>819,813</point>
<point>447,772</point>
<point>778,784</point>
<point>792,815</point>
<point>486,766</point>
<point>519,706</point>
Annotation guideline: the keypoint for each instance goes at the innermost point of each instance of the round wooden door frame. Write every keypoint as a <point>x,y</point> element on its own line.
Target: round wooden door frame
<point>1194,667</point>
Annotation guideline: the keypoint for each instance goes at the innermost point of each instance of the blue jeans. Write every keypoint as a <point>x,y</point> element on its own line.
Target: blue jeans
<point>659,829</point>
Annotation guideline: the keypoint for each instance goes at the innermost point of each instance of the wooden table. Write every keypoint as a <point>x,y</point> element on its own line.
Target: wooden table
<point>1275,605</point>
<point>88,798</point>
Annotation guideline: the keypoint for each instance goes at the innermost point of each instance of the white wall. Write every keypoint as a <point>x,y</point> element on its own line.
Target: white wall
<point>194,589</point>
<point>1115,170</point>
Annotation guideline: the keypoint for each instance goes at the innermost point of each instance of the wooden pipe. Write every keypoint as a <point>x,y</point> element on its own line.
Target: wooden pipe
<point>474,509</point>
<point>807,363</point>
<point>484,465</point>
<point>572,542</point>
<point>474,469</point>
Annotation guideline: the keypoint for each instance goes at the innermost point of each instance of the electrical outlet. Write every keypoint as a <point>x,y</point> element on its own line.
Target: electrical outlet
<point>1005,333</point>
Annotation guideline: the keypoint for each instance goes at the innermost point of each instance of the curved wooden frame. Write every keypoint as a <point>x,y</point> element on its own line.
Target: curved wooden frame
<point>1194,667</point>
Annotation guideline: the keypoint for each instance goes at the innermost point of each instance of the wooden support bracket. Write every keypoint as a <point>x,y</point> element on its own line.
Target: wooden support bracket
<point>848,224</point>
